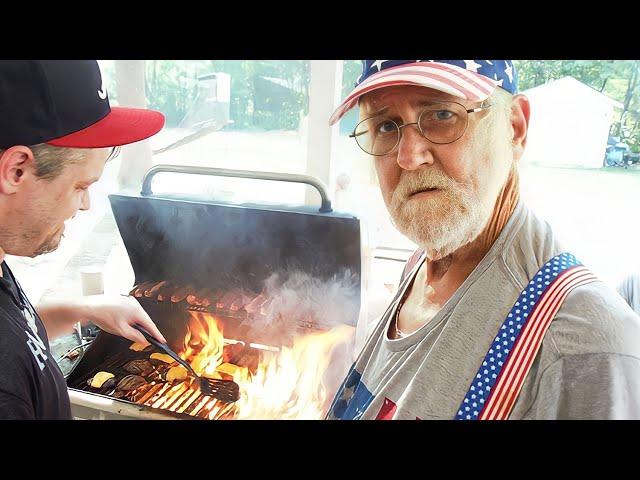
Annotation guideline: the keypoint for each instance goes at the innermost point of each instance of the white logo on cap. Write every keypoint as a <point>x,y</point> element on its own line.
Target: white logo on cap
<point>102,93</point>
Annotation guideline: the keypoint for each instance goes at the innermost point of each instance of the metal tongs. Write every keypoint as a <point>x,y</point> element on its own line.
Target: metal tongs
<point>225,390</point>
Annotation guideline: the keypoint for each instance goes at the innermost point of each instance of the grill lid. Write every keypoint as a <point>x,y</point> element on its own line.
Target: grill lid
<point>223,245</point>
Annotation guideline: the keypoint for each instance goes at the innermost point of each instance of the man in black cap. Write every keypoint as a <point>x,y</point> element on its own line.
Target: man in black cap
<point>57,130</point>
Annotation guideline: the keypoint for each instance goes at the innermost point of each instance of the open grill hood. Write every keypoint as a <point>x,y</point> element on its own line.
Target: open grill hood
<point>220,246</point>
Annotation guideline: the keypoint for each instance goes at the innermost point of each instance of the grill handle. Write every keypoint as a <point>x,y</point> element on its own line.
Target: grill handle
<point>325,206</point>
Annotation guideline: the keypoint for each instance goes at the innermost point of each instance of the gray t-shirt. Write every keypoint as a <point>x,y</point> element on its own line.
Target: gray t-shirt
<point>588,366</point>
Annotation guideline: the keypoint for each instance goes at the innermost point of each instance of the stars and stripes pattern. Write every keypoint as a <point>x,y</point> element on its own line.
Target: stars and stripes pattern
<point>498,382</point>
<point>472,80</point>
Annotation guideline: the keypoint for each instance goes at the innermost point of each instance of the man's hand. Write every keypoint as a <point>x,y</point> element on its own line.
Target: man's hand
<point>117,315</point>
<point>114,314</point>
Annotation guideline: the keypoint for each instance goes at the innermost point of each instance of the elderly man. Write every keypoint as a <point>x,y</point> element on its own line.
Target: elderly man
<point>493,319</point>
<point>57,130</point>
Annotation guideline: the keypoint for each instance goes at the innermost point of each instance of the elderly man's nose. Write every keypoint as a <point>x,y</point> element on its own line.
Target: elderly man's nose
<point>414,150</point>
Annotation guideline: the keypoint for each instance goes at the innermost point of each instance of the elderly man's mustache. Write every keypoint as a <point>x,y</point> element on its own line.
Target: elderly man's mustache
<point>423,180</point>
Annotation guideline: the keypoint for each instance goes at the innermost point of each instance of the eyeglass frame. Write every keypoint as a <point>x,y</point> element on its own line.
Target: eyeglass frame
<point>400,127</point>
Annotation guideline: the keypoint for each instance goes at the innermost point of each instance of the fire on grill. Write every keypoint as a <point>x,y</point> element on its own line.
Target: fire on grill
<point>275,382</point>
<point>266,297</point>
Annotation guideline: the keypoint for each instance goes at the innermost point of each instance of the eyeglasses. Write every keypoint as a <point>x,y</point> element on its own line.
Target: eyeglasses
<point>115,151</point>
<point>440,123</point>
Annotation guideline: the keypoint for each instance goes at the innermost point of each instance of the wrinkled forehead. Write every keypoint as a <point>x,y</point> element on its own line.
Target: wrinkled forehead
<point>400,96</point>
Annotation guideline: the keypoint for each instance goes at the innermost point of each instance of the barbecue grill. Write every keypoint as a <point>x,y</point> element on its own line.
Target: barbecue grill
<point>203,265</point>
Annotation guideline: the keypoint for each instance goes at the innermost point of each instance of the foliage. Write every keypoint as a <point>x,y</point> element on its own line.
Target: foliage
<point>265,94</point>
<point>273,94</point>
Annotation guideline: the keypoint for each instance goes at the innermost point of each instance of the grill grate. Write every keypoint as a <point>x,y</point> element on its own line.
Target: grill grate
<point>182,400</point>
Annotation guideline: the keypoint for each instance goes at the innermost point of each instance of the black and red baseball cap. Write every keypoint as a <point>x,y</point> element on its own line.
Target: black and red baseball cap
<point>65,103</point>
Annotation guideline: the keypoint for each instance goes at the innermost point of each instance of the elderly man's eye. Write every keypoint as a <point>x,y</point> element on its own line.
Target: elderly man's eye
<point>443,115</point>
<point>386,127</point>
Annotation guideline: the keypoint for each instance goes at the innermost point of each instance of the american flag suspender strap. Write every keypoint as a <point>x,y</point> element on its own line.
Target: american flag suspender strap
<point>495,388</point>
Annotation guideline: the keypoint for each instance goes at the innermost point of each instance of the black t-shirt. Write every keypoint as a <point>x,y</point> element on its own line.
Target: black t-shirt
<point>31,383</point>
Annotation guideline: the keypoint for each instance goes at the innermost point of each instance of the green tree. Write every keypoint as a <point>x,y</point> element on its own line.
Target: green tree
<point>351,70</point>
<point>172,86</point>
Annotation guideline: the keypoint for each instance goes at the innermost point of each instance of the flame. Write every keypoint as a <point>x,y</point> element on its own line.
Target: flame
<point>203,344</point>
<point>286,385</point>
<point>290,386</point>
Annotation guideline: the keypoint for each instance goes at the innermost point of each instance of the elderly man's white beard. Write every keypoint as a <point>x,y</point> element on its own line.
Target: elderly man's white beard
<point>446,221</point>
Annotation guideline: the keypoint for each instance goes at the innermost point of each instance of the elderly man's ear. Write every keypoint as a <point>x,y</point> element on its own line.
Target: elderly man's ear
<point>520,110</point>
<point>14,162</point>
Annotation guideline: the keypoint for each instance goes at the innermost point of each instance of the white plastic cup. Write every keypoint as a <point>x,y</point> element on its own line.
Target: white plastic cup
<point>92,280</point>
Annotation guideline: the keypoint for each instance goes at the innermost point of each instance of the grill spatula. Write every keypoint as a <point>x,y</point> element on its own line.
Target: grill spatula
<point>225,390</point>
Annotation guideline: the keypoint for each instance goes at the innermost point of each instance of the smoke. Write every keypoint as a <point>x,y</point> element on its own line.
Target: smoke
<point>301,304</point>
<point>298,299</point>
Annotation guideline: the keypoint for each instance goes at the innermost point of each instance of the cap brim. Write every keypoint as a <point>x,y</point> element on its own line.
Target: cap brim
<point>121,126</point>
<point>443,77</point>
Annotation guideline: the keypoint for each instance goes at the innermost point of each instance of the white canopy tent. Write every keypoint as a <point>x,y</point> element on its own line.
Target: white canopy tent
<point>569,124</point>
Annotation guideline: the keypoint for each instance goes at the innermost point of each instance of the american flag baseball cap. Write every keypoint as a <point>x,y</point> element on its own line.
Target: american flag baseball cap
<point>473,80</point>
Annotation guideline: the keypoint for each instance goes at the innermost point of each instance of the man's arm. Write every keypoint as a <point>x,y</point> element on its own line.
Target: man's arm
<point>592,386</point>
<point>113,314</point>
